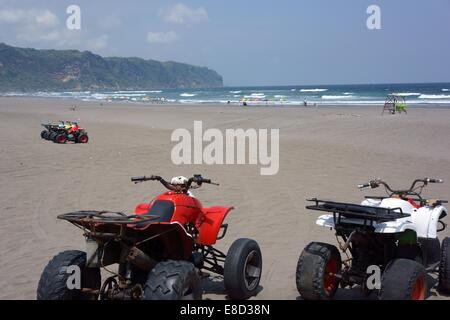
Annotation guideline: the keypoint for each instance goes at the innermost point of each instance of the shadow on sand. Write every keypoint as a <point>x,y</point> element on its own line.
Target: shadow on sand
<point>215,285</point>
<point>356,293</point>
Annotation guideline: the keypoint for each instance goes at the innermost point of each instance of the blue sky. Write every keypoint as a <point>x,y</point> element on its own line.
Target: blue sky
<point>263,42</point>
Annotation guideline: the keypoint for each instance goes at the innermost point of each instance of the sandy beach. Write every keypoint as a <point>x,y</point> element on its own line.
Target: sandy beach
<point>324,152</point>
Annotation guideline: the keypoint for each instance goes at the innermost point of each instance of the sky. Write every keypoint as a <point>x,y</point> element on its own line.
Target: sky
<point>252,43</point>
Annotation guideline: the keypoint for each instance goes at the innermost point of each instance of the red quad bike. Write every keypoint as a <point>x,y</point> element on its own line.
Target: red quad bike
<point>59,134</point>
<point>77,135</point>
<point>161,251</point>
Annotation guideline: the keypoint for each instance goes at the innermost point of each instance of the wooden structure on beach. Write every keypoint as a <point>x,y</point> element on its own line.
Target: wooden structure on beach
<point>394,103</point>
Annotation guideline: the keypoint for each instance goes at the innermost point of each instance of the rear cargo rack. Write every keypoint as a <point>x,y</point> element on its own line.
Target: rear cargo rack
<point>104,217</point>
<point>368,214</point>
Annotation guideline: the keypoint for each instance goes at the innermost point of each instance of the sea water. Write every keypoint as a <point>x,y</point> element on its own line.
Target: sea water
<point>370,94</point>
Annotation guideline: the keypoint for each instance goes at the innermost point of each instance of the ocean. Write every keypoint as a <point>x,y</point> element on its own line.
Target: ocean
<point>423,93</point>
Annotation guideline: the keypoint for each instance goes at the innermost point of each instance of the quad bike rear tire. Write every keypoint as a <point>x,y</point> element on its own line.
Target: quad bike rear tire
<point>60,138</point>
<point>53,282</point>
<point>44,134</point>
<point>403,279</point>
<point>242,269</point>
<point>173,280</point>
<point>317,267</point>
<point>444,267</point>
<point>82,138</point>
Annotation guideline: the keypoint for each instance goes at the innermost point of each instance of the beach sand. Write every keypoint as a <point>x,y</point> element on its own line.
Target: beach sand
<point>324,152</point>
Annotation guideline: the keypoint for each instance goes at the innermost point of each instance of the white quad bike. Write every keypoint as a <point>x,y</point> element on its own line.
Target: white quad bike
<point>394,236</point>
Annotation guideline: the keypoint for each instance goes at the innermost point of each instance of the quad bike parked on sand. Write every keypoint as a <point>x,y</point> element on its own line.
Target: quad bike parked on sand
<point>161,251</point>
<point>396,234</point>
<point>49,128</point>
<point>61,133</point>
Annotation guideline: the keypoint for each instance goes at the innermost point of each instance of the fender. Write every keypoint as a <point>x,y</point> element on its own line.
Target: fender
<point>208,224</point>
<point>142,208</point>
<point>433,219</point>
<point>325,220</point>
<point>399,225</point>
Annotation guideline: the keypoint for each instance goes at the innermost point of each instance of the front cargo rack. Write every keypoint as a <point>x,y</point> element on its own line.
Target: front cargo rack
<point>368,214</point>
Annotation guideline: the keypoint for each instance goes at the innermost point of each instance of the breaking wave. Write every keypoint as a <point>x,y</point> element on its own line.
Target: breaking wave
<point>188,94</point>
<point>407,94</point>
<point>313,90</point>
<point>434,96</point>
<point>329,97</point>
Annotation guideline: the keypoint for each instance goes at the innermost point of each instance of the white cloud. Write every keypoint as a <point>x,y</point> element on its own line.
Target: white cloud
<point>110,22</point>
<point>182,14</point>
<point>57,38</point>
<point>98,43</point>
<point>42,27</point>
<point>38,18</point>
<point>47,19</point>
<point>162,37</point>
<point>10,16</point>
<point>35,35</point>
<point>31,25</point>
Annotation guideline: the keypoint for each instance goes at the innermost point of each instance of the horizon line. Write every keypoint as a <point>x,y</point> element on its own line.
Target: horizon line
<point>335,84</point>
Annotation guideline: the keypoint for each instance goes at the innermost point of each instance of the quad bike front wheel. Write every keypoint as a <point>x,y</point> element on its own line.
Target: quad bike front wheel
<point>44,134</point>
<point>444,267</point>
<point>403,279</point>
<point>60,138</point>
<point>242,269</point>
<point>53,284</point>
<point>82,138</point>
<point>317,270</point>
<point>173,280</point>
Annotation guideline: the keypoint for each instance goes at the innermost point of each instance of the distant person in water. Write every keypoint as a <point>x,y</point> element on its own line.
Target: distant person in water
<point>305,103</point>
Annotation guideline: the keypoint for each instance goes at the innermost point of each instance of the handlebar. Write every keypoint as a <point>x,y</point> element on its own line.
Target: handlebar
<point>412,190</point>
<point>435,180</point>
<point>144,178</point>
<point>197,179</point>
<point>364,186</point>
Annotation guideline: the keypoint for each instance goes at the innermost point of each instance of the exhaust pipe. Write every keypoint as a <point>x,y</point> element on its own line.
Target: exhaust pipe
<point>140,259</point>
